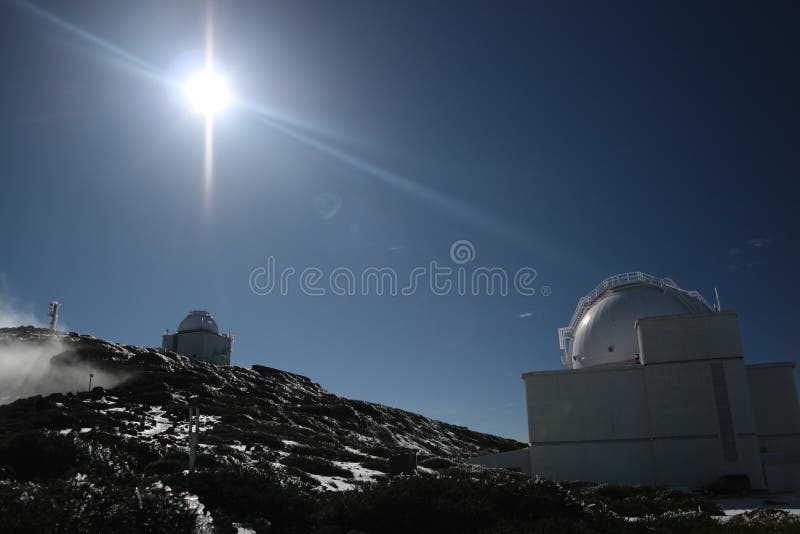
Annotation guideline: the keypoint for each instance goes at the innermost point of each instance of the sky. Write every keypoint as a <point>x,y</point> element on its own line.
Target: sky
<point>573,140</point>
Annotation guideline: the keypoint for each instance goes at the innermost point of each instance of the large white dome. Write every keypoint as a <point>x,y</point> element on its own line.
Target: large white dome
<point>198,320</point>
<point>603,329</point>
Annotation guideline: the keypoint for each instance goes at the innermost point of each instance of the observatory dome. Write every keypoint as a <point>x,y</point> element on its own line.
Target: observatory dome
<point>603,329</point>
<point>198,320</point>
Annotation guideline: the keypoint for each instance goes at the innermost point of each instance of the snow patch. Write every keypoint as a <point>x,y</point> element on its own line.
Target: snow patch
<point>332,483</point>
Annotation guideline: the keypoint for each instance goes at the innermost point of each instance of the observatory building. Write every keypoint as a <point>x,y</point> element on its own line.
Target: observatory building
<point>656,392</point>
<point>198,338</point>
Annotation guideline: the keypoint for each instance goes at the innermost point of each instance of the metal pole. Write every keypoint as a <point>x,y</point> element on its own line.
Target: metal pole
<point>194,423</point>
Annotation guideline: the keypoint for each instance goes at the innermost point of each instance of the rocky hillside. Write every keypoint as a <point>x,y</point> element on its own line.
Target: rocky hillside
<point>248,416</point>
<point>277,453</point>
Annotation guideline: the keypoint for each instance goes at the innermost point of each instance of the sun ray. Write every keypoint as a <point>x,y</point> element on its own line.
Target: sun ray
<point>208,160</point>
<point>106,49</point>
<point>462,211</point>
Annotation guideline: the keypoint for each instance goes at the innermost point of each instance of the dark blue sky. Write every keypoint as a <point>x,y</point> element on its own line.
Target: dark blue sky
<point>580,139</point>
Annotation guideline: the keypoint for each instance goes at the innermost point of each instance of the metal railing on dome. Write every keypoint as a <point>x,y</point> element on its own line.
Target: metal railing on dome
<point>635,277</point>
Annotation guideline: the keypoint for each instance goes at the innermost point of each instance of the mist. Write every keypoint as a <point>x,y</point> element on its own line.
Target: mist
<point>11,312</point>
<point>27,366</point>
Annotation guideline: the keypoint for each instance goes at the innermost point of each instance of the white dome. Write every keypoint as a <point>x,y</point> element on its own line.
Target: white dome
<point>198,320</point>
<point>603,328</point>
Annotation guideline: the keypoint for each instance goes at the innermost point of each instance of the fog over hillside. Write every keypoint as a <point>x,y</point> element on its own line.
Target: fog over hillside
<point>26,363</point>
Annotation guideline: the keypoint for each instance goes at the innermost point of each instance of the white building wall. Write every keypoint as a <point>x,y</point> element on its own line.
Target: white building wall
<point>589,424</point>
<point>697,462</point>
<point>774,393</point>
<point>637,424</point>
<point>593,403</point>
<point>699,399</point>
<point>689,337</point>
<point>777,415</point>
<point>680,400</point>
<point>614,462</point>
<point>686,423</point>
<point>200,345</point>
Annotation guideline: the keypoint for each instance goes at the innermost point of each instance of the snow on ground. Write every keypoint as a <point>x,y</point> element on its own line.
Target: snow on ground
<point>156,414</point>
<point>360,472</point>
<point>354,451</point>
<point>207,422</point>
<point>333,483</point>
<point>367,440</point>
<point>732,506</point>
<point>202,518</point>
<point>408,442</point>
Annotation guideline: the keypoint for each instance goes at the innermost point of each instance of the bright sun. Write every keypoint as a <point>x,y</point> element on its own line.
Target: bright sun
<point>207,92</point>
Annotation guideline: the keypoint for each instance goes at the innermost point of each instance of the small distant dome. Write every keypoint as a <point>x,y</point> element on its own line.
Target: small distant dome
<point>198,320</point>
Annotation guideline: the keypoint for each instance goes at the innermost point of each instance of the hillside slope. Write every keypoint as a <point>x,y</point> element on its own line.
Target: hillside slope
<point>252,415</point>
<point>277,453</point>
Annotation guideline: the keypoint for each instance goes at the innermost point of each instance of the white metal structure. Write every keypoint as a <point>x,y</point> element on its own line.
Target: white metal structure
<point>602,327</point>
<point>53,314</point>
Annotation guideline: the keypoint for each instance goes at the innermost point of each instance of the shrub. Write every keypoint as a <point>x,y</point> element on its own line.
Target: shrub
<point>372,450</point>
<point>251,496</point>
<point>329,453</point>
<point>640,501</point>
<point>436,463</point>
<point>766,520</point>
<point>461,501</point>
<point>166,466</point>
<point>316,466</point>
<point>32,455</point>
<point>376,464</point>
<point>70,506</point>
<point>337,410</point>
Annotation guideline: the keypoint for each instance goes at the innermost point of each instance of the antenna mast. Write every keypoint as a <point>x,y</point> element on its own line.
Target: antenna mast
<point>53,314</point>
<point>716,294</point>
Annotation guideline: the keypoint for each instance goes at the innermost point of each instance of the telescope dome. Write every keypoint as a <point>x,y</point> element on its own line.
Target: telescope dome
<point>198,320</point>
<point>603,328</point>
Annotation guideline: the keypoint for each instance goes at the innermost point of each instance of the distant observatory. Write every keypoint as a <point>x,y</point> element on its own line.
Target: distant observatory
<point>656,392</point>
<point>198,338</point>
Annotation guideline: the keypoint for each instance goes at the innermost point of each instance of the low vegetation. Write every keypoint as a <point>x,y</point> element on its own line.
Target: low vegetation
<point>280,454</point>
